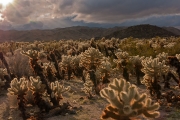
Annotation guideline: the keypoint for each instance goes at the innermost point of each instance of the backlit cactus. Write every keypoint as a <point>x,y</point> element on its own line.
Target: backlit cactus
<point>122,55</point>
<point>3,72</point>
<point>33,54</point>
<point>91,58</point>
<point>105,69</point>
<point>36,85</point>
<point>122,63</point>
<point>136,61</point>
<point>58,89</point>
<point>162,56</point>
<point>49,65</point>
<point>88,88</point>
<point>18,87</point>
<point>2,83</point>
<point>126,103</point>
<point>66,62</point>
<point>178,56</point>
<point>153,67</point>
<point>65,65</point>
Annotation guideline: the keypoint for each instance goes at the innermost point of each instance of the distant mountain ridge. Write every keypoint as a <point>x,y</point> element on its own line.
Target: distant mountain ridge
<point>74,33</point>
<point>144,31</point>
<point>77,32</point>
<point>173,30</point>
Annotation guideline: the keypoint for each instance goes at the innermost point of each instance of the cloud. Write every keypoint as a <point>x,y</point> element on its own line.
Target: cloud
<point>31,25</point>
<point>63,13</point>
<point>108,11</point>
<point>163,20</point>
<point>5,25</point>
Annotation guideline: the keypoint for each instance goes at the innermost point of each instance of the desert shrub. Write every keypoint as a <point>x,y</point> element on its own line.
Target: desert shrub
<point>19,64</point>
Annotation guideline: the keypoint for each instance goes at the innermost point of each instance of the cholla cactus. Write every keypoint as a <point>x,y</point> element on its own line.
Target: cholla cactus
<point>126,103</point>
<point>153,69</point>
<point>162,56</point>
<point>122,62</point>
<point>122,55</point>
<point>77,70</point>
<point>49,71</point>
<point>42,55</point>
<point>75,61</point>
<point>91,58</point>
<point>36,85</point>
<point>33,54</point>
<point>49,65</point>
<point>88,88</point>
<point>3,72</point>
<point>18,87</point>
<point>147,81</point>
<point>65,64</point>
<point>58,89</point>
<point>105,70</point>
<point>2,83</point>
<point>178,56</point>
<point>136,61</point>
<point>66,61</point>
<point>41,98</point>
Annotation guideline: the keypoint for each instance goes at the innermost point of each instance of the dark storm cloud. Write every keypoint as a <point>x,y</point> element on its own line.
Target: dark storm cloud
<point>64,13</point>
<point>165,20</point>
<point>120,10</point>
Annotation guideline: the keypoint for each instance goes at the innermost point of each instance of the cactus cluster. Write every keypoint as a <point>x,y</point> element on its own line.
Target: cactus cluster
<point>35,89</point>
<point>94,61</point>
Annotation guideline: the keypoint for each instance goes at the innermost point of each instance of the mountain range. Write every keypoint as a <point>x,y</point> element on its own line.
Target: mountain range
<point>77,32</point>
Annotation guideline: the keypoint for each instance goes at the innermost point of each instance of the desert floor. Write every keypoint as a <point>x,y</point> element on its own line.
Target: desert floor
<point>85,109</point>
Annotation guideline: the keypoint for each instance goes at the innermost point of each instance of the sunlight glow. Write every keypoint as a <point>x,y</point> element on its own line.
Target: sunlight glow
<point>5,2</point>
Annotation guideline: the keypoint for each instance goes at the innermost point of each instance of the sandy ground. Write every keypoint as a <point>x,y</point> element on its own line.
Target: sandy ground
<point>86,109</point>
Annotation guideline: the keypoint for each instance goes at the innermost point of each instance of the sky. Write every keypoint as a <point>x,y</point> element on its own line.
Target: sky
<point>50,14</point>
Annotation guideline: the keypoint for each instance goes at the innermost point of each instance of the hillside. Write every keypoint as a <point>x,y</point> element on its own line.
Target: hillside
<point>142,31</point>
<point>77,32</point>
<point>173,30</point>
<point>56,34</point>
